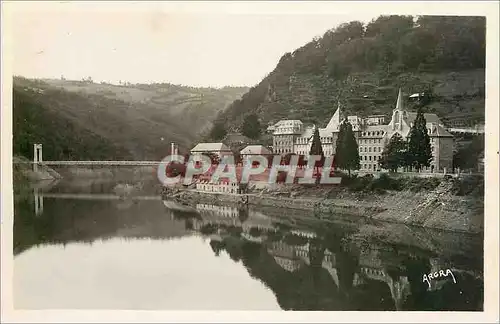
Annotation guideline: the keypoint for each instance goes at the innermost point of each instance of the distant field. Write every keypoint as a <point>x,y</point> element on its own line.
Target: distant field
<point>195,107</point>
<point>75,119</point>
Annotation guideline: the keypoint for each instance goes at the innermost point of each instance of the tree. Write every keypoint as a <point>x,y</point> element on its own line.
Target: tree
<point>218,131</point>
<point>316,148</point>
<point>346,152</point>
<point>175,168</point>
<point>419,143</point>
<point>251,126</point>
<point>287,158</point>
<point>301,161</point>
<point>238,158</point>
<point>393,155</point>
<point>214,158</point>
<point>467,156</point>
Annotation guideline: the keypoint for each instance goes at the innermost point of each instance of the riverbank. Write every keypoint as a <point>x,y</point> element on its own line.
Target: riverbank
<point>22,170</point>
<point>445,204</point>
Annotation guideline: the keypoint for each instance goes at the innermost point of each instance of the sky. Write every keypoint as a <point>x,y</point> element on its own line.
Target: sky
<point>191,43</point>
<point>157,45</point>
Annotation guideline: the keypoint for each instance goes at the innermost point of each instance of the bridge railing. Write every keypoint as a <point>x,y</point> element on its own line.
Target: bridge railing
<point>135,163</point>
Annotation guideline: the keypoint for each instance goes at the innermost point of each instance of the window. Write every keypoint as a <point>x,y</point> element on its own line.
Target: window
<point>370,149</point>
<point>370,158</point>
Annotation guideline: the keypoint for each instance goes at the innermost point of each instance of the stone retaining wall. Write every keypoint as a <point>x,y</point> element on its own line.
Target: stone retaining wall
<point>317,205</point>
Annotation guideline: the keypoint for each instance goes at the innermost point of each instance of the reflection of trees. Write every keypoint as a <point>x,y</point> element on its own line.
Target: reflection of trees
<point>243,214</point>
<point>208,229</point>
<point>295,240</point>
<point>465,295</point>
<point>234,230</point>
<point>373,295</point>
<point>347,267</point>
<point>415,267</point>
<point>255,232</point>
<point>307,287</point>
<point>233,246</point>
<point>347,259</point>
<point>294,291</point>
<point>316,256</point>
<point>86,220</point>
<point>217,246</point>
<point>274,236</point>
<point>189,224</point>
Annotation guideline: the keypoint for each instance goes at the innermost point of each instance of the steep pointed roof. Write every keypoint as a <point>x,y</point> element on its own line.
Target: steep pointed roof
<point>336,119</point>
<point>399,103</point>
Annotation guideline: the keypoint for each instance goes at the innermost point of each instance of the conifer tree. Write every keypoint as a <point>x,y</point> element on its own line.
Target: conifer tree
<point>347,152</point>
<point>251,126</point>
<point>419,143</point>
<point>352,149</point>
<point>316,148</point>
<point>339,157</point>
<point>218,131</point>
<point>394,154</point>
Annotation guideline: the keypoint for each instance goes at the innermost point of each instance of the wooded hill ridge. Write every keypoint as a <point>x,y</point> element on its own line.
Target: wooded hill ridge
<point>362,66</point>
<point>86,120</point>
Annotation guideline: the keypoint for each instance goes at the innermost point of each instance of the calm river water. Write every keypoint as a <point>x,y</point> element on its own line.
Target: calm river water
<point>77,246</point>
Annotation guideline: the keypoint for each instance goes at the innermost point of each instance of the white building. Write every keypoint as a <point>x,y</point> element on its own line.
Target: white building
<point>371,133</point>
<point>219,149</point>
<point>255,150</point>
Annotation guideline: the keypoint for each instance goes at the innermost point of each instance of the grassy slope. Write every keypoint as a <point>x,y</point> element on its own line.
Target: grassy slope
<point>363,65</point>
<point>91,121</point>
<point>193,107</point>
<point>314,98</point>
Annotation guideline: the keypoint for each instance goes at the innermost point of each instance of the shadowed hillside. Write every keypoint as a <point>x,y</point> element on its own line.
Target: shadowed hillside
<point>83,120</point>
<point>362,67</point>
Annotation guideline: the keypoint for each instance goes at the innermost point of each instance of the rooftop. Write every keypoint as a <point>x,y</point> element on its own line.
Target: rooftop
<point>211,147</point>
<point>255,149</point>
<point>429,118</point>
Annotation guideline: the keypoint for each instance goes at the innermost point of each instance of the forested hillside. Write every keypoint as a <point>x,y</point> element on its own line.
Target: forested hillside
<point>362,67</point>
<point>83,120</point>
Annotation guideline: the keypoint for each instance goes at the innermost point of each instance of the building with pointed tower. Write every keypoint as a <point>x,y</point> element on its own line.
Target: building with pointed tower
<point>440,139</point>
<point>372,135</point>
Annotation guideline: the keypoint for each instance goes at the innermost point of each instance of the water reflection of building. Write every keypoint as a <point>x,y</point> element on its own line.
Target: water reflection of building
<point>291,257</point>
<point>372,267</point>
<point>288,257</point>
<point>304,233</point>
<point>232,216</point>
<point>399,288</point>
<point>221,187</point>
<point>224,211</point>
